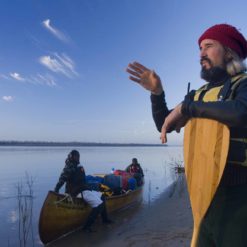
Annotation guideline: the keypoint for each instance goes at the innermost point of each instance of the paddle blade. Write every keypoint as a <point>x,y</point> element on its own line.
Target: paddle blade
<point>206,144</point>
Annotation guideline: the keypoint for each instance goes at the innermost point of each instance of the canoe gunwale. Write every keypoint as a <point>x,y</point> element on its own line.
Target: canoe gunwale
<point>76,206</point>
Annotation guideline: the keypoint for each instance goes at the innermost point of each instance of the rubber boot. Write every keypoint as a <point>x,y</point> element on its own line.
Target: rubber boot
<point>91,218</point>
<point>104,214</point>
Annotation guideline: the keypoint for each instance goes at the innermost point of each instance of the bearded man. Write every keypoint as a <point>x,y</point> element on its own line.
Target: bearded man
<point>223,50</point>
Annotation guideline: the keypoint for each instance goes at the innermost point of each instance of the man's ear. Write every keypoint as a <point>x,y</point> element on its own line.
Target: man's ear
<point>228,56</point>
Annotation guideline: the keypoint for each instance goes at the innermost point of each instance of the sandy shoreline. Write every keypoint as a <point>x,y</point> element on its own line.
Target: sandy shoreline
<point>166,222</point>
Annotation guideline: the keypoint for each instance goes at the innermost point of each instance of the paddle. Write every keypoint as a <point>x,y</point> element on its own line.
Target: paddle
<point>206,145</point>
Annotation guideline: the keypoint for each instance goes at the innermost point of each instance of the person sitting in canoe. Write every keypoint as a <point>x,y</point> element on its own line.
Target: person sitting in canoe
<point>74,177</point>
<point>135,169</point>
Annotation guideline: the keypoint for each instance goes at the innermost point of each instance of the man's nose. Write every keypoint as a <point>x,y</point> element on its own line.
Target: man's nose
<point>202,53</point>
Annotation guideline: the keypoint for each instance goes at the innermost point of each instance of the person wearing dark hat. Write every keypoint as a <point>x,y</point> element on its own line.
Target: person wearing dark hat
<point>223,49</point>
<point>74,176</point>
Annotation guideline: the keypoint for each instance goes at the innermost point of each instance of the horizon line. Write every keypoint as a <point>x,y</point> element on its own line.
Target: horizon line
<point>72,143</point>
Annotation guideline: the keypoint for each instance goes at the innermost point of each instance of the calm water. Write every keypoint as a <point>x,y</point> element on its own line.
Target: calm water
<point>44,164</point>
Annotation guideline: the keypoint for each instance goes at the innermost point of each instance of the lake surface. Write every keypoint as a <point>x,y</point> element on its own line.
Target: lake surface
<point>41,166</point>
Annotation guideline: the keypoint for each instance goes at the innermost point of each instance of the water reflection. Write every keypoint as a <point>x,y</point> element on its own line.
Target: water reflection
<point>13,216</point>
<point>44,166</point>
<point>178,187</point>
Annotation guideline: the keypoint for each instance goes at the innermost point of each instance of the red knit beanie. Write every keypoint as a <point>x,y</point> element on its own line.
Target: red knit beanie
<point>228,36</point>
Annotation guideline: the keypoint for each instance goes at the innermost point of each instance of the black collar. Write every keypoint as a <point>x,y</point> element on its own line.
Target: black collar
<point>225,89</point>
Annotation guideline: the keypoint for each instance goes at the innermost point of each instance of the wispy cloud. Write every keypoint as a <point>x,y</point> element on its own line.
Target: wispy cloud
<point>4,77</point>
<point>17,76</point>
<point>47,80</point>
<point>59,64</point>
<point>58,34</point>
<point>8,98</point>
<point>37,79</point>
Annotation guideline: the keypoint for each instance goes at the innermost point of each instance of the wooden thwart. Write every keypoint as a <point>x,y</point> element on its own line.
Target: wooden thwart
<point>206,144</point>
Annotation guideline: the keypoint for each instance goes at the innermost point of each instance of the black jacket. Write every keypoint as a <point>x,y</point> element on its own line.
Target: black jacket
<point>74,177</point>
<point>233,112</point>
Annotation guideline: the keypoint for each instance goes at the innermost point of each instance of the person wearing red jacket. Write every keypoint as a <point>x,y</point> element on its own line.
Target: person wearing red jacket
<point>135,169</point>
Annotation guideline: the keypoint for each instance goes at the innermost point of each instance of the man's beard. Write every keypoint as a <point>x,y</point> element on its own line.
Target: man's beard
<point>214,74</point>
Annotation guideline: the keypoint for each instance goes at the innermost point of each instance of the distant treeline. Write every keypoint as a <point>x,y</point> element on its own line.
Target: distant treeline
<point>74,144</point>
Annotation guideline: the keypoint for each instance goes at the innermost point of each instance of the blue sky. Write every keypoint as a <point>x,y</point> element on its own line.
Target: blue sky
<point>62,64</point>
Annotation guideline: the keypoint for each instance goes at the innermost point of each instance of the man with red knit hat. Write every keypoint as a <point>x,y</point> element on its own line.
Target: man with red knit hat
<point>223,49</point>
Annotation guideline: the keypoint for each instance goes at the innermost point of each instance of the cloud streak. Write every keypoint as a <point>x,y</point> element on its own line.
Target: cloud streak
<point>38,79</point>
<point>60,64</point>
<point>8,98</point>
<point>4,77</point>
<point>58,34</point>
<point>47,80</point>
<point>17,76</point>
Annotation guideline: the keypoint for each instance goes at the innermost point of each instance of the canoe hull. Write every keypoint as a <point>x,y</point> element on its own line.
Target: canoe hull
<point>59,215</point>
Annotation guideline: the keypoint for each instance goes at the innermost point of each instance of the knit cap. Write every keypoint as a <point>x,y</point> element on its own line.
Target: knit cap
<point>228,36</point>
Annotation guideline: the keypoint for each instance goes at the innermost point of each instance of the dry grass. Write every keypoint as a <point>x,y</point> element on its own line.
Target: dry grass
<point>25,211</point>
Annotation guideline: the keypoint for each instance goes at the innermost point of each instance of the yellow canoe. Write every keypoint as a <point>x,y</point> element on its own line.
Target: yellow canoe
<point>61,214</point>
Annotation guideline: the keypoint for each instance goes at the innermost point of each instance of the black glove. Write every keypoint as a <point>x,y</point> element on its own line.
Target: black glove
<point>186,103</point>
